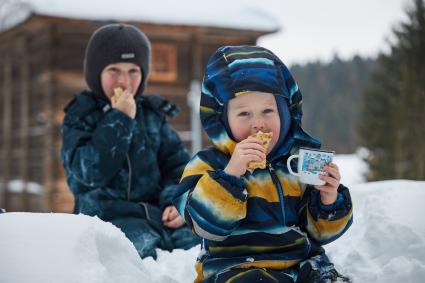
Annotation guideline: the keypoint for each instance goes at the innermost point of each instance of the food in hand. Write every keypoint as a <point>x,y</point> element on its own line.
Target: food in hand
<point>265,140</point>
<point>118,92</point>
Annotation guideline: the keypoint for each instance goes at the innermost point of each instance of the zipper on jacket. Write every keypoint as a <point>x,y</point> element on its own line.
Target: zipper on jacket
<point>279,189</point>
<point>129,176</point>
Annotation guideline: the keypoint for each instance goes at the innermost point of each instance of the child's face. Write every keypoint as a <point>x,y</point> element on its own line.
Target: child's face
<point>252,112</point>
<point>125,75</point>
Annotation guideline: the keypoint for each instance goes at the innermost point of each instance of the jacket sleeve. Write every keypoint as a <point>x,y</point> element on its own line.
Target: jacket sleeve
<point>325,223</point>
<point>94,154</point>
<point>212,203</point>
<point>172,157</point>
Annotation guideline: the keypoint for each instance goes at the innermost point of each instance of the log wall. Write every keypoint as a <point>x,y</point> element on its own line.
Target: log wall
<point>41,68</point>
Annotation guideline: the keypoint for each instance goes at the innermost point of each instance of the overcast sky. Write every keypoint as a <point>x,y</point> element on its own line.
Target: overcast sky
<point>316,29</point>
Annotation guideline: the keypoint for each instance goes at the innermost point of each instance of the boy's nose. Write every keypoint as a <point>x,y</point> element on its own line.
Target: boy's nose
<point>259,125</point>
<point>124,79</point>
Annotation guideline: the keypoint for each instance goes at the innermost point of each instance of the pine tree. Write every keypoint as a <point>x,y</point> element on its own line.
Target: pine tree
<point>392,125</point>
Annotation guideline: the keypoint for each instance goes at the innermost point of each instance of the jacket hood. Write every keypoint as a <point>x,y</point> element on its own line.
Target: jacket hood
<point>233,70</point>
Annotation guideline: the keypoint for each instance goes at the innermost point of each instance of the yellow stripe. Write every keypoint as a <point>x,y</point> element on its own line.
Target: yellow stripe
<point>246,248</point>
<point>236,277</point>
<point>246,53</point>
<point>227,146</point>
<point>200,276</point>
<point>211,193</point>
<point>242,92</point>
<point>218,199</point>
<point>195,167</point>
<point>262,186</point>
<point>278,265</point>
<point>291,186</point>
<point>264,189</point>
<point>207,109</point>
<point>296,104</point>
<point>326,228</point>
<point>242,274</point>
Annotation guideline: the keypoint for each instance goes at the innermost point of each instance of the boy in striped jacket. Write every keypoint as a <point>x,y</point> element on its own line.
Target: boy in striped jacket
<point>261,225</point>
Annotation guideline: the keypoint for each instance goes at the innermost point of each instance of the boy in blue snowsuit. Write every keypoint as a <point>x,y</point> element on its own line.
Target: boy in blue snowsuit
<point>120,154</point>
<point>264,225</point>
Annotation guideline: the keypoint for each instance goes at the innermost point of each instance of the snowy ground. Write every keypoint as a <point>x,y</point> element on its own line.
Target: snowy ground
<point>387,240</point>
<point>385,244</point>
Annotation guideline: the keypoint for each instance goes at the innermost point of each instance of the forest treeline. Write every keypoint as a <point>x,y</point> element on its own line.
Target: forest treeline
<point>331,98</point>
<point>378,104</point>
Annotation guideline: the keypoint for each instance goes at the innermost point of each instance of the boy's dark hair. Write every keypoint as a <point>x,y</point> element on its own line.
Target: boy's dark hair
<point>116,43</point>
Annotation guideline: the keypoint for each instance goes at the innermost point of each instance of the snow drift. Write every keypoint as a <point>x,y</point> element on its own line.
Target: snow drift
<point>385,244</point>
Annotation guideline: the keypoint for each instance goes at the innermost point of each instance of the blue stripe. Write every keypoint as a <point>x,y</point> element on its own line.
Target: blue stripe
<point>292,91</point>
<point>207,226</point>
<point>280,191</point>
<point>207,92</point>
<point>207,220</point>
<point>251,61</point>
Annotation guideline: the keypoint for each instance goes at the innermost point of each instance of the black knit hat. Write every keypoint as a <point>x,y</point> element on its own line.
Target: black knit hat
<point>116,43</point>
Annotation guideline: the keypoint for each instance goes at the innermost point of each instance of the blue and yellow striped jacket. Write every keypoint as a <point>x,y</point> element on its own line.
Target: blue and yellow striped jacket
<point>266,218</point>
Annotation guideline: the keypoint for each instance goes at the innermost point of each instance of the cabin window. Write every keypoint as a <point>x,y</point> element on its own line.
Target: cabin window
<point>164,63</point>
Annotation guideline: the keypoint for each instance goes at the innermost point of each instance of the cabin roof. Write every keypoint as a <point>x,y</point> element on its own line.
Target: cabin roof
<point>236,14</point>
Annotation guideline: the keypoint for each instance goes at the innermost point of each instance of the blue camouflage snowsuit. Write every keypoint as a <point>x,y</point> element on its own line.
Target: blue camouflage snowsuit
<point>122,170</point>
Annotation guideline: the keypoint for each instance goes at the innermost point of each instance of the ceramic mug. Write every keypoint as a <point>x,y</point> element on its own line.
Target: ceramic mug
<point>310,164</point>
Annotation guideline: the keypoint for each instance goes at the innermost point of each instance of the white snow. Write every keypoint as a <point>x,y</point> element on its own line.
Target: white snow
<point>18,186</point>
<point>218,13</point>
<point>352,167</point>
<point>386,242</point>
<point>54,247</point>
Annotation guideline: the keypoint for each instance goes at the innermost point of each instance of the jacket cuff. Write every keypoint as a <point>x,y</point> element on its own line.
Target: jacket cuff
<point>332,207</point>
<point>166,196</point>
<point>339,209</point>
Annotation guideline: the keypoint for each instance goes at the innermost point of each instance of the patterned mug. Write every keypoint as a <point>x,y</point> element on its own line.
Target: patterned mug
<point>310,164</point>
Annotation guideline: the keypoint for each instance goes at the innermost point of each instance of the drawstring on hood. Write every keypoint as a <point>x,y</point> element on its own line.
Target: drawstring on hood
<point>233,70</point>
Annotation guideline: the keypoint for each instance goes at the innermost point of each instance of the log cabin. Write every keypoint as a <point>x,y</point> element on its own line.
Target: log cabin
<point>42,47</point>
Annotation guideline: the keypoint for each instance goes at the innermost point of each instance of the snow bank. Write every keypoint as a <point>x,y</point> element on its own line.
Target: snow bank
<point>387,240</point>
<point>352,167</point>
<point>36,247</point>
<point>175,267</point>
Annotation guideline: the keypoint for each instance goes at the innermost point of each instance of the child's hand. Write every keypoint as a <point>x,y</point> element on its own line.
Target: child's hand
<point>125,103</point>
<point>329,191</point>
<point>250,149</point>
<point>171,218</point>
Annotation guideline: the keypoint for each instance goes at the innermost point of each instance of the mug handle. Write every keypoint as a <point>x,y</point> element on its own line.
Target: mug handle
<point>288,164</point>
